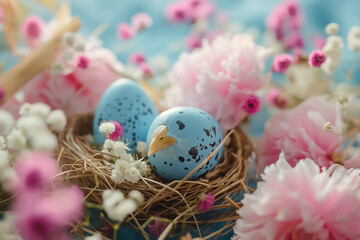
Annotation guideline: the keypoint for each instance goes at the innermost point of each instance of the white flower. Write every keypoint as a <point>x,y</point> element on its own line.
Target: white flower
<point>159,63</point>
<point>80,46</point>
<point>122,210</point>
<point>40,109</point>
<point>7,178</point>
<point>132,174</point>
<point>57,120</point>
<point>16,140</point>
<point>120,149</point>
<point>118,173</point>
<point>137,196</point>
<point>96,236</point>
<point>107,128</point>
<point>25,109</point>
<point>4,160</point>
<point>332,29</point>
<point>7,122</point>
<point>31,125</point>
<point>141,166</point>
<point>141,148</point>
<point>330,66</point>
<point>354,38</point>
<point>58,68</point>
<point>45,141</point>
<point>7,228</point>
<point>2,143</point>
<point>68,54</point>
<point>69,39</point>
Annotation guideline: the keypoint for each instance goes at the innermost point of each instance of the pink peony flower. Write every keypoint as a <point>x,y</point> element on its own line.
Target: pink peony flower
<point>141,21</point>
<point>282,62</point>
<point>300,133</point>
<point>273,98</point>
<point>206,202</point>
<point>32,29</point>
<point>119,131</point>
<point>126,31</point>
<point>137,58</point>
<point>34,172</point>
<point>316,58</point>
<point>44,217</point>
<point>218,78</point>
<point>156,227</point>
<point>83,62</point>
<point>301,202</point>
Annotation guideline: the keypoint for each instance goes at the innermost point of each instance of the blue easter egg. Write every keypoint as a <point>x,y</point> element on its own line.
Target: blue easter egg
<point>179,139</point>
<point>127,103</point>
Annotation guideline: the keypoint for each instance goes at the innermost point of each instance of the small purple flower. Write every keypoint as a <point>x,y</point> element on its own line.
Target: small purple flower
<point>119,131</point>
<point>281,63</point>
<point>206,202</point>
<point>317,58</point>
<point>251,105</point>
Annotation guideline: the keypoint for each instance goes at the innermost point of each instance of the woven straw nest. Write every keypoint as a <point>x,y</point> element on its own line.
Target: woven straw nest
<point>176,200</point>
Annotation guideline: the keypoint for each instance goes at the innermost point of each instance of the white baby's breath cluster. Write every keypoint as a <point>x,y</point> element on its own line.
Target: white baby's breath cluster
<point>8,230</point>
<point>107,128</point>
<point>33,130</point>
<point>74,45</point>
<point>7,173</point>
<point>117,207</point>
<point>353,38</point>
<point>333,49</point>
<point>126,168</point>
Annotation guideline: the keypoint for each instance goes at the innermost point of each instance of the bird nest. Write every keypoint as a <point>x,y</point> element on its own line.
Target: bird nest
<point>177,201</point>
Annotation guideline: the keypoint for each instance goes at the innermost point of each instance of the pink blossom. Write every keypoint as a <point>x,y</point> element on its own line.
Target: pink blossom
<point>34,172</point>
<point>299,133</point>
<point>126,31</point>
<point>157,227</point>
<point>319,41</point>
<point>273,98</point>
<point>316,58</point>
<point>137,58</point>
<point>294,41</point>
<point>2,93</point>
<point>301,202</point>
<point>193,41</point>
<point>218,78</point>
<point>119,131</point>
<point>141,21</point>
<point>32,29</point>
<point>251,105</point>
<point>206,202</point>
<point>282,62</point>
<point>146,69</point>
<point>83,62</point>
<point>47,216</point>
<point>177,11</point>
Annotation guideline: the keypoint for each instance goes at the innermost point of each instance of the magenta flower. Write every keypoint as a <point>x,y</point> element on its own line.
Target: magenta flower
<point>301,202</point>
<point>317,58</point>
<point>146,69</point>
<point>281,63</point>
<point>157,227</point>
<point>2,93</point>
<point>119,131</point>
<point>300,133</point>
<point>206,202</point>
<point>141,21</point>
<point>177,11</point>
<point>273,98</point>
<point>126,31</point>
<point>251,105</point>
<point>32,29</point>
<point>34,172</point>
<point>137,58</point>
<point>83,62</point>
<point>193,41</point>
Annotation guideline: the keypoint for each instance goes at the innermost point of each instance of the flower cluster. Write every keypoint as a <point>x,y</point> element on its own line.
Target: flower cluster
<point>42,210</point>
<point>301,202</point>
<point>139,21</point>
<point>117,207</point>
<point>299,133</point>
<point>189,10</point>
<point>219,78</point>
<point>33,130</point>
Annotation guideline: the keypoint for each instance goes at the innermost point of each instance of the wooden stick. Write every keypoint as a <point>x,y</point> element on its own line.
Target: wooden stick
<point>36,62</point>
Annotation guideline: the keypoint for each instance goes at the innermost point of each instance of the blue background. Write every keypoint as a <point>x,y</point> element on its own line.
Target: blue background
<point>153,41</point>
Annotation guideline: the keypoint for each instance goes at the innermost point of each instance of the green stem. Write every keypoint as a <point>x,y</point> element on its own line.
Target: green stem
<point>116,228</point>
<point>155,218</point>
<point>93,205</point>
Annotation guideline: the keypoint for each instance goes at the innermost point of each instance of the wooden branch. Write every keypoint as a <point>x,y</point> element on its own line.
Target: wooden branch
<point>38,61</point>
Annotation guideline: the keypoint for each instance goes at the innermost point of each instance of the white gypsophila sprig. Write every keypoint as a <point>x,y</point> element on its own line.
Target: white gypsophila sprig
<point>57,120</point>
<point>2,143</point>
<point>137,196</point>
<point>7,228</point>
<point>353,38</point>
<point>107,128</point>
<point>7,122</point>
<point>116,206</point>
<point>141,148</point>
<point>16,140</point>
<point>39,109</point>
<point>333,50</point>
<point>332,29</point>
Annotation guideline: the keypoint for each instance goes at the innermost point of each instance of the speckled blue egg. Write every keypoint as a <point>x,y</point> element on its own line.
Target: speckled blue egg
<point>127,103</point>
<point>197,134</point>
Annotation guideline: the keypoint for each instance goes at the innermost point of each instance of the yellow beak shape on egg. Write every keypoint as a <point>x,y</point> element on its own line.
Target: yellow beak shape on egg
<point>160,140</point>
